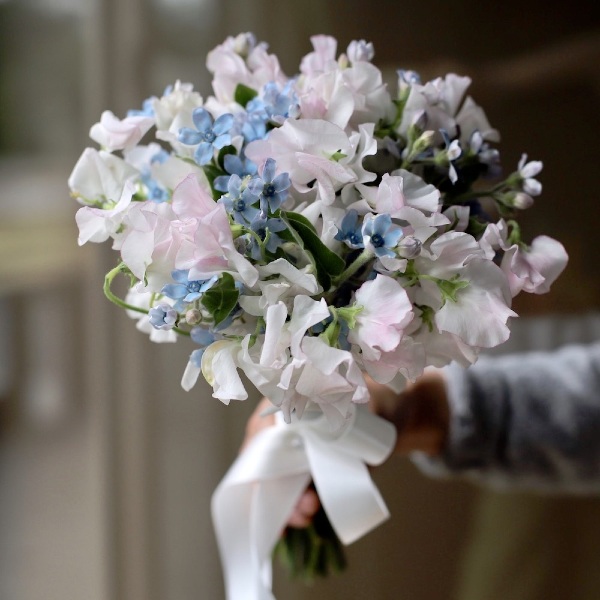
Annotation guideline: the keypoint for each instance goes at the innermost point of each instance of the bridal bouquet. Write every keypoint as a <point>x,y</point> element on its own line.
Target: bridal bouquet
<point>309,230</point>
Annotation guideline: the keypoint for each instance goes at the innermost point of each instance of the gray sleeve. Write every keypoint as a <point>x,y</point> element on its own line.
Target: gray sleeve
<point>526,420</point>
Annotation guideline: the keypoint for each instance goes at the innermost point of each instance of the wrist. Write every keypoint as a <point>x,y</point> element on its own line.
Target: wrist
<point>420,413</point>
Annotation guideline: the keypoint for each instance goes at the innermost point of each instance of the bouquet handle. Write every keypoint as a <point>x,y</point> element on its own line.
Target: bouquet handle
<point>252,503</point>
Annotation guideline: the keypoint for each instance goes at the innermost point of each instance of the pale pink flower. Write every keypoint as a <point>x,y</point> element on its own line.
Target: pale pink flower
<point>536,268</point>
<point>113,133</point>
<point>303,148</point>
<point>323,57</point>
<point>386,311</point>
<point>213,250</point>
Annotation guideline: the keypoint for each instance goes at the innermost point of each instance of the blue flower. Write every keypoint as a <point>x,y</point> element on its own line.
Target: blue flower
<point>265,227</point>
<point>381,235</point>
<point>163,316</point>
<point>146,111</point>
<point>239,202</point>
<point>280,105</point>
<point>207,135</point>
<point>234,165</point>
<point>271,190</point>
<point>185,291</point>
<point>350,232</point>
<point>254,121</point>
<point>204,338</point>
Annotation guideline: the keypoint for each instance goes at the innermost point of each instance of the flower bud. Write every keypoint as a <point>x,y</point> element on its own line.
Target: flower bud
<point>409,247</point>
<point>193,316</point>
<point>522,201</point>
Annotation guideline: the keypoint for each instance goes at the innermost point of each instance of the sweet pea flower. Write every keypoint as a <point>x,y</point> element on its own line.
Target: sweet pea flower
<point>534,269</point>
<point>98,224</point>
<point>385,311</point>
<point>305,149</point>
<point>113,133</point>
<point>360,51</point>
<point>98,178</point>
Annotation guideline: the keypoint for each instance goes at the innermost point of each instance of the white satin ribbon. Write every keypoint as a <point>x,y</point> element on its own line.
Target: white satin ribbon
<point>251,505</point>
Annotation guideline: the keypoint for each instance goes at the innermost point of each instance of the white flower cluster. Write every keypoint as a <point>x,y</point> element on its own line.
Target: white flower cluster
<point>308,230</point>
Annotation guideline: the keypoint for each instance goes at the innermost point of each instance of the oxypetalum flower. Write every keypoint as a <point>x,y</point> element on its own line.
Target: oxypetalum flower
<point>234,165</point>
<point>266,229</point>
<point>381,235</point>
<point>186,290</point>
<point>349,231</point>
<point>163,316</point>
<point>239,202</point>
<point>280,105</point>
<point>271,189</point>
<point>207,135</point>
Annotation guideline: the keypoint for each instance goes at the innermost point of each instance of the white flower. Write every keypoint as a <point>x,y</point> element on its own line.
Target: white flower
<point>527,172</point>
<point>220,369</point>
<point>98,224</point>
<point>99,177</point>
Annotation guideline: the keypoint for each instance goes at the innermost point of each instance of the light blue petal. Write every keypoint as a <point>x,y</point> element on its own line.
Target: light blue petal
<point>392,237</point>
<point>201,336</point>
<point>282,182</point>
<point>223,124</point>
<point>204,153</point>
<point>381,224</point>
<point>233,164</point>
<point>222,141</point>
<point>269,170</point>
<point>256,186</point>
<point>189,136</point>
<point>180,275</point>
<point>174,290</point>
<point>202,120</point>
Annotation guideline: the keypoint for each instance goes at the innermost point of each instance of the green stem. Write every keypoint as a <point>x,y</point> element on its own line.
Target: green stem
<point>362,259</point>
<point>122,268</point>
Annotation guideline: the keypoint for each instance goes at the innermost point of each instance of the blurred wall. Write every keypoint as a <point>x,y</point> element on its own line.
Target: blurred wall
<point>106,465</point>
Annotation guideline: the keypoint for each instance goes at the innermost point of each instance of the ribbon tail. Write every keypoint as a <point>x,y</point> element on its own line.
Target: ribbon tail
<point>351,500</point>
<point>248,519</point>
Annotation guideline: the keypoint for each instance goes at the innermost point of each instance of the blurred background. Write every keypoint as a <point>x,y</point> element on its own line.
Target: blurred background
<point>106,465</point>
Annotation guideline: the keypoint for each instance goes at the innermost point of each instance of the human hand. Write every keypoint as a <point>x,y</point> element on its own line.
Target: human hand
<point>419,413</point>
<point>308,504</point>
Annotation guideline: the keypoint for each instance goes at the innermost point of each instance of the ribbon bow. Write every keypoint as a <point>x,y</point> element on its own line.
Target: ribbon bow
<point>251,505</point>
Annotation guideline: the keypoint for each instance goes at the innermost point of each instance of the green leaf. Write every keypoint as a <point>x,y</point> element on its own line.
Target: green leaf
<point>300,219</point>
<point>243,94</point>
<point>221,299</point>
<point>326,262</point>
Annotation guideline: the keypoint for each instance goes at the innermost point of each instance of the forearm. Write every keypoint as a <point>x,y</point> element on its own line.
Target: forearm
<point>531,420</point>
